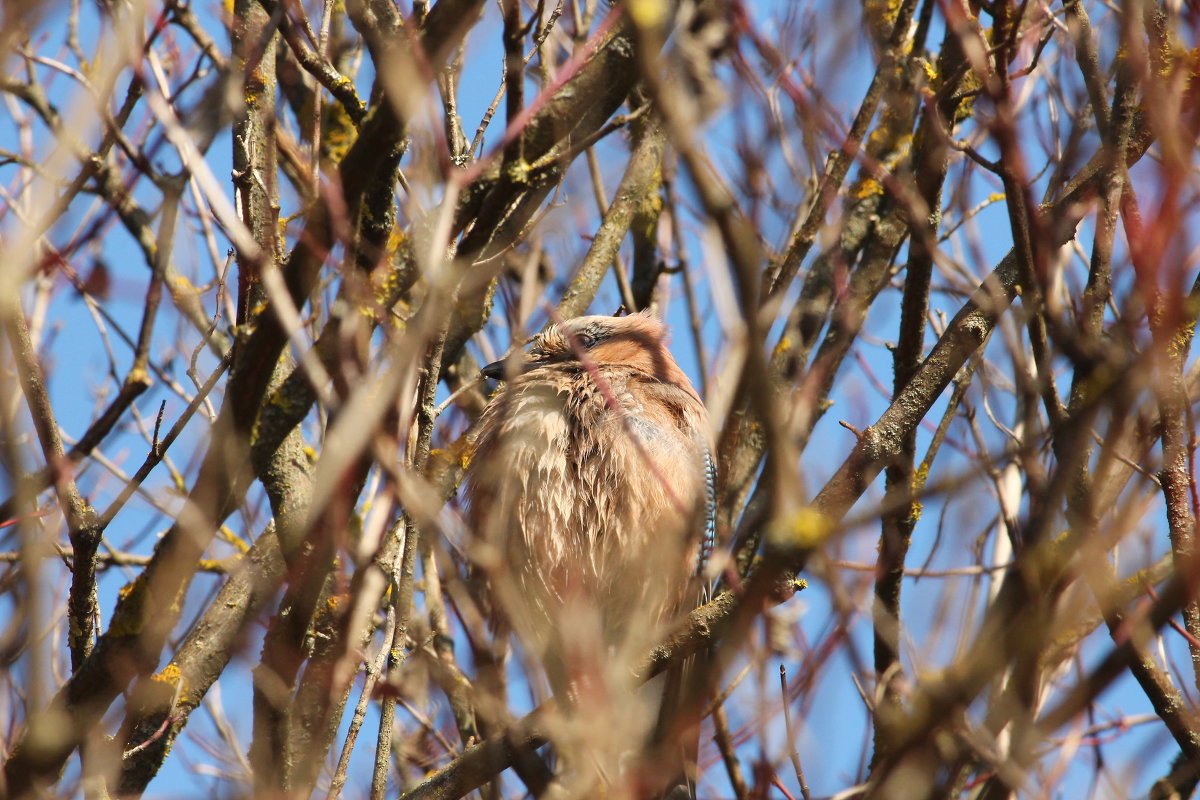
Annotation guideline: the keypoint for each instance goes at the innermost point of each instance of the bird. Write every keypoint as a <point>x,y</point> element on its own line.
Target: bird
<point>590,495</point>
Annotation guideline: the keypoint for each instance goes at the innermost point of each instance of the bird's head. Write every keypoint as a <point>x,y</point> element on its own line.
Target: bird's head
<point>637,340</point>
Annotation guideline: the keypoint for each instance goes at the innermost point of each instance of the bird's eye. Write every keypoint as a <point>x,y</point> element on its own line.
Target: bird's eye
<point>586,340</point>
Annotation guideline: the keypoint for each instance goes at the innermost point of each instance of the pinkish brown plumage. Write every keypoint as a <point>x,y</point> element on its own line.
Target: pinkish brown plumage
<point>587,490</point>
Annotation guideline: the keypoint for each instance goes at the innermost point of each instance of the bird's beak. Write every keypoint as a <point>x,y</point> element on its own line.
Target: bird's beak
<point>515,363</point>
<point>494,370</point>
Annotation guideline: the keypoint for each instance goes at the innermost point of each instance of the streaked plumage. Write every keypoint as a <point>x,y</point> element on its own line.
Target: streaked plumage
<point>590,485</point>
<point>590,496</point>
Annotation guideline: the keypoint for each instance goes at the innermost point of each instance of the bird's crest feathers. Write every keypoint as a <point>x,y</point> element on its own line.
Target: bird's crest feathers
<point>638,340</point>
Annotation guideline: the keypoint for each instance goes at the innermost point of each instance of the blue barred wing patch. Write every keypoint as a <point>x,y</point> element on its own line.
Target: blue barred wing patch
<point>709,541</point>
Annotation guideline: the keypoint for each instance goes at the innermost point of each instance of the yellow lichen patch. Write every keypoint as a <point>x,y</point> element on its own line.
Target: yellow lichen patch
<point>169,674</point>
<point>396,239</point>
<point>805,529</point>
<point>337,133</point>
<point>138,375</point>
<point>1178,348</point>
<point>920,477</point>
<point>285,221</point>
<point>931,71</point>
<point>878,135</point>
<point>517,171</point>
<point>652,202</point>
<point>1175,55</point>
<point>969,83</point>
<point>891,138</point>
<point>182,284</point>
<point>126,591</point>
<point>388,282</point>
<point>645,223</point>
<point>647,13</point>
<point>900,150</point>
<point>866,188</point>
<point>468,450</point>
<point>881,13</point>
<point>130,617</point>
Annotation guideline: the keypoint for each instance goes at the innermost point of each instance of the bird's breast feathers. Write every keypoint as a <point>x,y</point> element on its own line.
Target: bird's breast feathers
<point>593,481</point>
<point>606,452</point>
